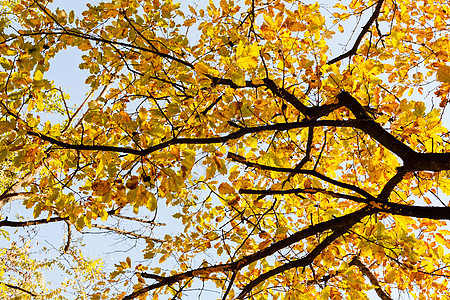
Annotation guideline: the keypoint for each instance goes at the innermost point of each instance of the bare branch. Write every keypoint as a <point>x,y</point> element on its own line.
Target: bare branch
<point>139,220</point>
<point>69,238</point>
<point>128,233</point>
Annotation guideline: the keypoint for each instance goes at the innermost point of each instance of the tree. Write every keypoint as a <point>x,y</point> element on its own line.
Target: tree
<point>295,167</point>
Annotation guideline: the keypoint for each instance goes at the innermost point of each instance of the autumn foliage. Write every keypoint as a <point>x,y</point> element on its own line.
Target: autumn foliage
<point>271,149</point>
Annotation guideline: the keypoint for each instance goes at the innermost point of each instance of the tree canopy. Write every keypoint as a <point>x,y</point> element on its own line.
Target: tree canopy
<point>253,149</point>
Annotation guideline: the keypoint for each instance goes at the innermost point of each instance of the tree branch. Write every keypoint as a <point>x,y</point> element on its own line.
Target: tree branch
<point>228,82</point>
<point>427,212</point>
<point>139,220</point>
<point>6,223</point>
<point>284,94</point>
<point>130,233</point>
<point>19,289</point>
<point>302,262</point>
<point>363,32</point>
<point>189,141</point>
<point>373,280</point>
<point>345,222</point>
<point>314,173</point>
<point>12,193</point>
<point>374,130</point>
<point>304,191</point>
<point>7,197</point>
<point>412,160</point>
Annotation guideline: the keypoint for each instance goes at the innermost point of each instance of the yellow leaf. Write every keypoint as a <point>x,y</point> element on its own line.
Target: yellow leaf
<point>440,239</point>
<point>71,16</point>
<point>184,266</point>
<point>325,294</point>
<point>269,20</point>
<point>38,76</point>
<point>85,46</point>
<point>254,49</point>
<point>189,22</point>
<point>175,151</point>
<point>234,201</point>
<point>281,232</point>
<point>264,235</point>
<point>240,49</point>
<point>390,276</point>
<point>395,38</point>
<point>80,223</point>
<point>238,78</point>
<point>103,214</point>
<point>246,62</point>
<point>5,126</point>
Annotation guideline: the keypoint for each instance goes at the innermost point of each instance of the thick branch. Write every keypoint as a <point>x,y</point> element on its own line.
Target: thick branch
<point>284,94</point>
<point>427,212</point>
<point>391,184</point>
<point>230,83</point>
<point>413,161</point>
<point>7,197</point>
<point>304,191</point>
<point>361,124</point>
<point>374,130</point>
<point>6,223</point>
<point>302,262</point>
<point>429,162</point>
<point>13,192</point>
<point>307,156</point>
